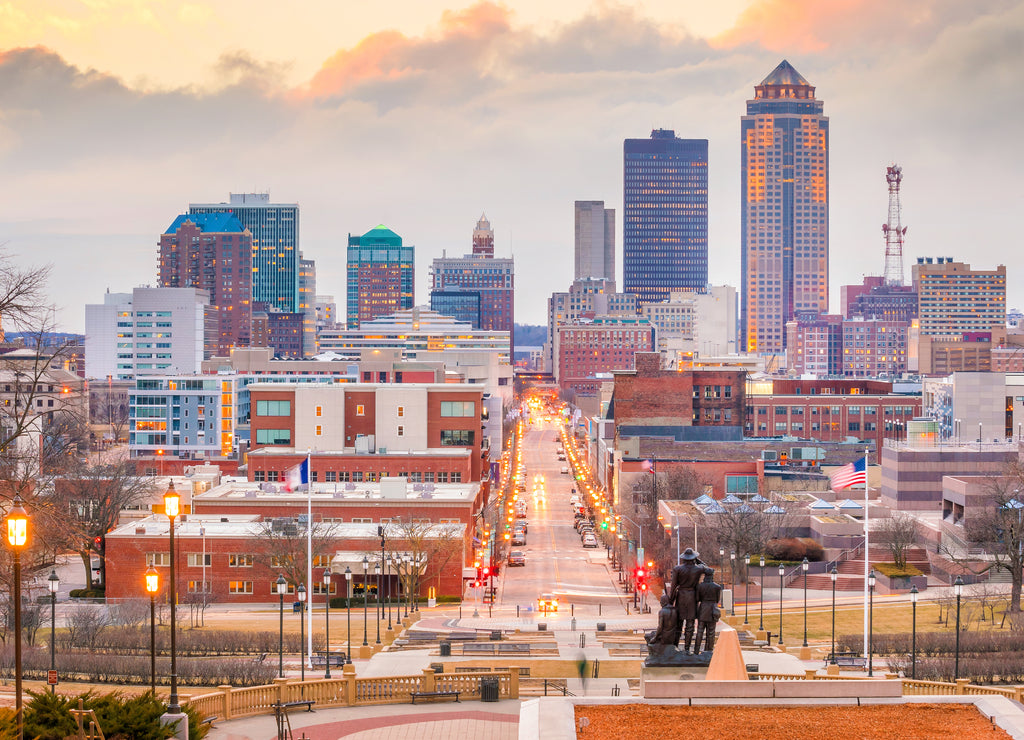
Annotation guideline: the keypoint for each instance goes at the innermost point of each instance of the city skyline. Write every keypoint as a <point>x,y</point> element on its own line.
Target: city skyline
<point>457,112</point>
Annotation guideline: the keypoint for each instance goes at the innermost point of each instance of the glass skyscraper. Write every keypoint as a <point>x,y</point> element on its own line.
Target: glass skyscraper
<point>380,276</point>
<point>665,220</point>
<point>784,219</point>
<point>275,245</point>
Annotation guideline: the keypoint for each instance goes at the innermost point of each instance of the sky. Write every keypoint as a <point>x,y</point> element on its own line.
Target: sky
<point>422,115</point>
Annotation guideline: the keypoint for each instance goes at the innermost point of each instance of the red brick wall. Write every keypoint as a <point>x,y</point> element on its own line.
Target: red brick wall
<point>391,465</point>
<point>270,422</point>
<point>356,424</point>
<point>435,423</point>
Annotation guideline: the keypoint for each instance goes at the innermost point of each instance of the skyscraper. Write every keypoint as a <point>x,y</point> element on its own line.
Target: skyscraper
<point>213,252</point>
<point>275,241</point>
<point>595,241</point>
<point>665,220</point>
<point>380,276</point>
<point>784,219</point>
<point>478,287</point>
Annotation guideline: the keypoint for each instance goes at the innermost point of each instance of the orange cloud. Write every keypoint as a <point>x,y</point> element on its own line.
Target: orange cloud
<point>389,55</point>
<point>808,26</point>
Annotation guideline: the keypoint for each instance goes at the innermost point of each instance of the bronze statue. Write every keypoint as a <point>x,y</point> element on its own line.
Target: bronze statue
<point>708,613</point>
<point>683,593</point>
<point>665,638</point>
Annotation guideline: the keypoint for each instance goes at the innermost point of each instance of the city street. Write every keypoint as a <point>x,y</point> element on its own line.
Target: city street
<point>556,562</point>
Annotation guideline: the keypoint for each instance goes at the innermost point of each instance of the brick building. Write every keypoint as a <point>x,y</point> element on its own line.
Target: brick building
<point>601,346</point>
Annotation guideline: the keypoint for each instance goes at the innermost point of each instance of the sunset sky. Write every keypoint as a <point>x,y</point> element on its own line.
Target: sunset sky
<point>115,114</point>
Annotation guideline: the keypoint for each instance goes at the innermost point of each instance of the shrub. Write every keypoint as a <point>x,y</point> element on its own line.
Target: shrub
<point>48,717</point>
<point>794,549</point>
<point>892,571</point>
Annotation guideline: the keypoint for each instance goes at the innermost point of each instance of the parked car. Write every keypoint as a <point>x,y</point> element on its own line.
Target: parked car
<point>516,557</point>
<point>519,539</point>
<point>589,540</point>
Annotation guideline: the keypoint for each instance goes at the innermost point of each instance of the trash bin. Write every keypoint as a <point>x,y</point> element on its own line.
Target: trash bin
<point>489,690</point>
<point>495,634</point>
<point>601,626</point>
<point>437,667</point>
<point>542,626</point>
<point>297,606</point>
<point>446,649</point>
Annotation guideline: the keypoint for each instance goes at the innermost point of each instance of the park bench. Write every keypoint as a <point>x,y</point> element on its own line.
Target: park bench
<point>421,636</point>
<point>319,660</point>
<point>308,704</point>
<point>434,695</point>
<point>847,660</point>
<point>478,648</point>
<point>514,647</point>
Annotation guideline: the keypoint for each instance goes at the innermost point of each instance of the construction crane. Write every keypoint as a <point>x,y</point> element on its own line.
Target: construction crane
<point>893,230</point>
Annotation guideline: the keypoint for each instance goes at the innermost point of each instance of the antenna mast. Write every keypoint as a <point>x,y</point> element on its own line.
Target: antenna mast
<point>893,230</point>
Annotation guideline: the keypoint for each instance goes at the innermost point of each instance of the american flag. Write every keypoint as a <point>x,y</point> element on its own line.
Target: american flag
<point>850,474</point>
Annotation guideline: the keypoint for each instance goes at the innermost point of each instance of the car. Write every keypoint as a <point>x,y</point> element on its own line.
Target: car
<point>589,540</point>
<point>547,603</point>
<point>516,557</point>
<point>518,539</point>
<point>522,526</point>
<point>565,471</point>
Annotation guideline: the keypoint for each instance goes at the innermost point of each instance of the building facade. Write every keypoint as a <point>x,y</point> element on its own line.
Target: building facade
<point>150,331</point>
<point>665,216</point>
<point>381,274</point>
<point>784,208</point>
<point>598,347</point>
<point>275,245</point>
<point>213,252</point>
<point>455,281</point>
<point>595,241</point>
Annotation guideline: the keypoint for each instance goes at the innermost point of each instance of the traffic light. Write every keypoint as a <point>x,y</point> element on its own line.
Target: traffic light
<point>604,524</point>
<point>487,572</point>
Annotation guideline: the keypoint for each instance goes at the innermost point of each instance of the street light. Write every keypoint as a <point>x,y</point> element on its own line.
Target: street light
<point>390,626</point>
<point>366,570</point>
<point>913,639</point>
<point>958,588</point>
<point>327,619</point>
<point>17,538</point>
<point>54,583</point>
<point>804,566</point>
<point>377,606</point>
<point>152,586</point>
<point>746,588</point>
<point>732,569</point>
<point>301,593</point>
<point>408,581</point>
<point>172,503</point>
<point>761,597</point>
<point>348,609</point>
<point>282,589</point>
<point>871,622</point>
<point>834,573</point>
<point>782,579</point>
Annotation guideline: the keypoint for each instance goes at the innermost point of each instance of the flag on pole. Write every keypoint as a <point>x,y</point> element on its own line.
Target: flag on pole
<point>297,475</point>
<point>648,466</point>
<point>850,475</point>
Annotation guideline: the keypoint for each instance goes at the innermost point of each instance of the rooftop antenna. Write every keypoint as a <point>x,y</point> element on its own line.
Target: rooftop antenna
<point>893,230</point>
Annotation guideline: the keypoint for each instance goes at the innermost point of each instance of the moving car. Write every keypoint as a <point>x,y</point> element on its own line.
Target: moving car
<point>516,557</point>
<point>589,540</point>
<point>547,603</point>
<point>519,538</point>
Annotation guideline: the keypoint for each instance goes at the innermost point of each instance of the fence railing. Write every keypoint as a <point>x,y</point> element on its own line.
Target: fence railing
<point>961,687</point>
<point>228,702</point>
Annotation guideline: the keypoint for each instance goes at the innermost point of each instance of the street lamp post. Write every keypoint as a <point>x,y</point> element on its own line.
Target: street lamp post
<point>958,588</point>
<point>913,639</point>
<point>804,566</point>
<point>782,584</point>
<point>54,583</point>
<point>871,622</point>
<point>732,568</point>
<point>171,508</point>
<point>282,589</point>
<point>834,573</point>
<point>301,593</point>
<point>17,538</point>
<point>152,586</point>
<point>761,598</point>
<point>366,571</point>
<point>348,609</point>
<point>327,619</point>
<point>390,627</point>
<point>746,589</point>
<point>408,581</point>
<point>378,607</point>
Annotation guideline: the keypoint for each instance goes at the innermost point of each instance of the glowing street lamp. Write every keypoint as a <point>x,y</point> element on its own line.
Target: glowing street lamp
<point>327,618</point>
<point>172,503</point>
<point>282,589</point>
<point>152,586</point>
<point>53,582</point>
<point>17,538</point>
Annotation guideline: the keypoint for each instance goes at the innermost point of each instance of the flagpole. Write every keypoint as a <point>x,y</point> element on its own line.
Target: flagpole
<point>866,547</point>
<point>309,559</point>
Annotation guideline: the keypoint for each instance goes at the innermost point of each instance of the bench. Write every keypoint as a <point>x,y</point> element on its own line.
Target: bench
<point>478,648</point>
<point>514,647</point>
<point>208,720</point>
<point>847,660</point>
<point>319,660</point>
<point>419,635</point>
<point>434,695</point>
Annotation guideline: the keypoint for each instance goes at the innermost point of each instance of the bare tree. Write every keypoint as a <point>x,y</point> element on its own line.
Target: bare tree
<point>998,528</point>
<point>421,550</point>
<point>897,533</point>
<point>281,546</point>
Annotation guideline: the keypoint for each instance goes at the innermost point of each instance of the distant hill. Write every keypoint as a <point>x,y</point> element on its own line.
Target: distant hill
<point>525,335</point>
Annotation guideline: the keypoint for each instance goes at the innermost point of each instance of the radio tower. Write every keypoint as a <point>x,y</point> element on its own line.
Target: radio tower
<point>893,231</point>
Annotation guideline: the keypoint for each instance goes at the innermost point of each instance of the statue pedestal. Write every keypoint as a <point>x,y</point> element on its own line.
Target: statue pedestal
<point>678,673</point>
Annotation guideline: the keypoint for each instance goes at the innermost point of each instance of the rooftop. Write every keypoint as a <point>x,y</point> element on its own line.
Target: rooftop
<point>212,223</point>
<point>390,489</point>
<point>785,74</point>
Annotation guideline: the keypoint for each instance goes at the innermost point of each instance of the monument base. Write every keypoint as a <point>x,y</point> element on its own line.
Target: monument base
<point>666,673</point>
<point>675,658</point>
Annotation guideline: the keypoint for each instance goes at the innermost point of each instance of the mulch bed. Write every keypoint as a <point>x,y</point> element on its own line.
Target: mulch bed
<point>884,722</point>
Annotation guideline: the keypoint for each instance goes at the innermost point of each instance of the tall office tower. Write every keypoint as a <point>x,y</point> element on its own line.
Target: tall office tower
<point>479,287</point>
<point>213,252</point>
<point>380,276</point>
<point>483,238</point>
<point>665,219</point>
<point>595,241</point>
<point>784,219</point>
<point>307,305</point>
<point>275,241</point>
